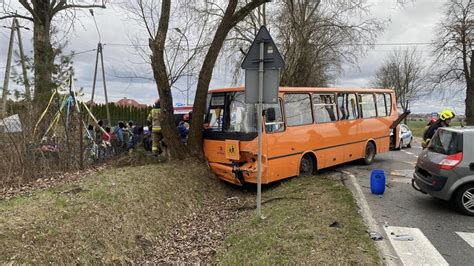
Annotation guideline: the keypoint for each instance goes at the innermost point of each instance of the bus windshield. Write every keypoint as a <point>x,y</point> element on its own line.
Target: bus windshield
<point>228,112</point>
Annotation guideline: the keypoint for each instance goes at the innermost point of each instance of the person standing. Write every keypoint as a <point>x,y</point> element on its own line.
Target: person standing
<point>156,134</point>
<point>443,121</point>
<point>98,132</point>
<point>183,129</point>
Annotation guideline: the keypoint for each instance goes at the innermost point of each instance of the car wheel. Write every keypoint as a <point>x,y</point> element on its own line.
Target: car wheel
<point>409,143</point>
<point>464,199</point>
<point>369,153</point>
<point>306,165</point>
<point>401,144</point>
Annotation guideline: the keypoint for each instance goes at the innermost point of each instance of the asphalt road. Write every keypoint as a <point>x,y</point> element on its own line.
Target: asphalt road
<point>402,206</point>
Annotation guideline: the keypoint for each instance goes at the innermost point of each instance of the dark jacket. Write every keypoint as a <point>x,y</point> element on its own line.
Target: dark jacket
<point>432,129</point>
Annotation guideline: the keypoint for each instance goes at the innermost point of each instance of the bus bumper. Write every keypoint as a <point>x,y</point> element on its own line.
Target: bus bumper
<point>226,173</point>
<point>235,174</point>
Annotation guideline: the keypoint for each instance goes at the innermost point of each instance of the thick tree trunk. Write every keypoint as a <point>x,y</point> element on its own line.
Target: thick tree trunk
<point>205,75</point>
<point>229,20</point>
<point>43,58</point>
<point>157,46</point>
<point>469,112</point>
<point>469,105</point>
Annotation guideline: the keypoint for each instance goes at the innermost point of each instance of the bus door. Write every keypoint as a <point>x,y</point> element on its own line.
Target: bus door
<point>349,125</point>
<point>328,130</point>
<point>276,136</point>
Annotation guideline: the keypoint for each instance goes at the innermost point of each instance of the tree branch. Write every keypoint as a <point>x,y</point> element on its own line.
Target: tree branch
<point>63,5</point>
<point>16,16</point>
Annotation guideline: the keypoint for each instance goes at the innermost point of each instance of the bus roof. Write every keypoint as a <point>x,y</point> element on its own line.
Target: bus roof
<point>308,89</point>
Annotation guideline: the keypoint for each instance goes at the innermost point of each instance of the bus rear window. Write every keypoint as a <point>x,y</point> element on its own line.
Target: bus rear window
<point>446,142</point>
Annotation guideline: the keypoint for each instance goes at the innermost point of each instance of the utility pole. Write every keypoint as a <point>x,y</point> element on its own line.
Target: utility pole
<point>95,75</point>
<point>23,63</point>
<point>7,72</point>
<point>99,53</point>
<point>105,85</point>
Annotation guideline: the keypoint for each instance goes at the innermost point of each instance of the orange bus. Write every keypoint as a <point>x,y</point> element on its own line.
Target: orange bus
<point>309,129</point>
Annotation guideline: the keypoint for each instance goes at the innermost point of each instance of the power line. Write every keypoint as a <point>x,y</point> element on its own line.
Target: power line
<point>82,52</point>
<point>124,44</point>
<point>391,44</point>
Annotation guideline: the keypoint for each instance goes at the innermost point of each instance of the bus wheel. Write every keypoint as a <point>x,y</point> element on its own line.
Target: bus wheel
<point>306,165</point>
<point>369,153</point>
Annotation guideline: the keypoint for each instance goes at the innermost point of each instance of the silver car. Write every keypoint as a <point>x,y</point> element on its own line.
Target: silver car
<point>406,136</point>
<point>445,169</point>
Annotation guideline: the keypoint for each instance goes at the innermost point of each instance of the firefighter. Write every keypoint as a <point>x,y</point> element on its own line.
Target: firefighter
<point>443,121</point>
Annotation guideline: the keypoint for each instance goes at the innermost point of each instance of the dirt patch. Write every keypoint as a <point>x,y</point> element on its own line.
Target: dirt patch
<point>196,238</point>
<point>55,180</point>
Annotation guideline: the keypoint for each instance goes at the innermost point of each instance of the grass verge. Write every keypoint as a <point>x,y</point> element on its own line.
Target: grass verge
<point>107,217</point>
<point>417,127</point>
<point>296,228</point>
<point>123,215</point>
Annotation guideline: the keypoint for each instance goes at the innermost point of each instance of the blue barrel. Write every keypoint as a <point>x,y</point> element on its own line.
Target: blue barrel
<point>377,182</point>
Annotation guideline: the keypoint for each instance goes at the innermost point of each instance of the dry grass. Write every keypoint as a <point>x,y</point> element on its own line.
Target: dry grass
<point>105,218</point>
<point>124,215</point>
<point>296,229</point>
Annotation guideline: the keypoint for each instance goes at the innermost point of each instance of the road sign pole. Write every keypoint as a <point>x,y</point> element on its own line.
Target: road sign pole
<point>259,114</point>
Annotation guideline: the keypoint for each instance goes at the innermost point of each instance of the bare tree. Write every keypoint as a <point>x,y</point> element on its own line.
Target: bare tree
<point>174,46</point>
<point>167,68</point>
<point>454,63</point>
<point>232,15</point>
<point>41,13</point>
<point>317,36</point>
<point>403,71</point>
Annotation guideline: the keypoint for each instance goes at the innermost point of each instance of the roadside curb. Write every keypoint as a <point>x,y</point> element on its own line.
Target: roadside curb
<point>385,249</point>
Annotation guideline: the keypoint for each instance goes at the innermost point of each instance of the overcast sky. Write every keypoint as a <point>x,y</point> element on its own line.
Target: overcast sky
<point>412,24</point>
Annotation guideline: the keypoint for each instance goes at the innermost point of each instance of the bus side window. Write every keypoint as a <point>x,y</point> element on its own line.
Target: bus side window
<point>346,103</point>
<point>277,125</point>
<point>324,108</point>
<point>343,111</point>
<point>298,109</point>
<point>367,105</point>
<point>353,111</point>
<point>381,106</point>
<point>388,102</point>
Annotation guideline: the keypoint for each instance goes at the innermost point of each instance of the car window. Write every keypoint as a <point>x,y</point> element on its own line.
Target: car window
<point>404,128</point>
<point>446,142</point>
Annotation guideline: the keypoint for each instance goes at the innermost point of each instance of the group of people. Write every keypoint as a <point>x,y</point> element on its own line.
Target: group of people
<point>106,141</point>
<point>124,137</point>
<point>443,120</point>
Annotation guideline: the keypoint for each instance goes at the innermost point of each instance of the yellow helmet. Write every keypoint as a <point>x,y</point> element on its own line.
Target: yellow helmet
<point>446,114</point>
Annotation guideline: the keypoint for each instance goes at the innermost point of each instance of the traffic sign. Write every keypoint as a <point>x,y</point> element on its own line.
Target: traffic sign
<point>272,57</point>
<point>272,62</point>
<point>262,66</point>
<point>271,82</point>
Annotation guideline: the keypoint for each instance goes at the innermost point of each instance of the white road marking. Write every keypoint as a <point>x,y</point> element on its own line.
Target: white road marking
<point>420,251</point>
<point>407,152</point>
<point>468,237</point>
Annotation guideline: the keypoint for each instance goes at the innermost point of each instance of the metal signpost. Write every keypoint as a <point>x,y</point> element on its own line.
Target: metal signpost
<point>262,66</point>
